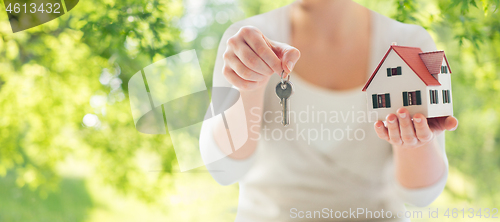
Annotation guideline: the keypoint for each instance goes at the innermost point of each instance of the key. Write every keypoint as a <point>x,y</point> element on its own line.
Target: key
<point>284,90</point>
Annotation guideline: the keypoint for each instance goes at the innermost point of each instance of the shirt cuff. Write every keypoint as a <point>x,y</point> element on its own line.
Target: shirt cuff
<point>223,169</point>
<point>420,197</point>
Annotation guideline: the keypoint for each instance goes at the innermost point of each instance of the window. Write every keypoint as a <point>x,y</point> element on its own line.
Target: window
<point>412,98</point>
<point>381,100</point>
<point>434,96</point>
<point>446,96</point>
<point>394,71</point>
<point>444,69</point>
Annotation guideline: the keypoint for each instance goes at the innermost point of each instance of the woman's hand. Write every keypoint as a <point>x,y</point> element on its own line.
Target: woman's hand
<point>250,59</point>
<point>402,131</point>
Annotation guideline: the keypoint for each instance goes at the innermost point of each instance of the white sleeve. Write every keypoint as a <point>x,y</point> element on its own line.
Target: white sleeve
<point>224,170</point>
<point>424,196</point>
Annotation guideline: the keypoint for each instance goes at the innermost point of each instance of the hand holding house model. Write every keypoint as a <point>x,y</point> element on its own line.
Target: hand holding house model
<point>407,77</point>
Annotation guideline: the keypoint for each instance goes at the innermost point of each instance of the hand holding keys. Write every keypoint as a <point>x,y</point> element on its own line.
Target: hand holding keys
<point>251,59</point>
<point>284,90</point>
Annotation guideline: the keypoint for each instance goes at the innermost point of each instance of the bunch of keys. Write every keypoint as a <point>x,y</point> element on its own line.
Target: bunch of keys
<point>284,90</point>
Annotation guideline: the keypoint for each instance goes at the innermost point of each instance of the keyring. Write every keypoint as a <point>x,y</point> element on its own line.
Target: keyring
<point>283,85</point>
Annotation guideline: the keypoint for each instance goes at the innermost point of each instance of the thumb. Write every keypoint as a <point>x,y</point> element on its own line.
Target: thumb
<point>451,123</point>
<point>288,55</point>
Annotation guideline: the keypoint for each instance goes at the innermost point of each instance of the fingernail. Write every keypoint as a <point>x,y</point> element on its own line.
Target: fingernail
<point>289,65</point>
<point>391,120</point>
<point>418,120</point>
<point>402,115</point>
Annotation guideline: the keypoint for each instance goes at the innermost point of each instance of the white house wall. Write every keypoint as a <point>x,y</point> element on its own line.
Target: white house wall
<point>441,109</point>
<point>395,85</point>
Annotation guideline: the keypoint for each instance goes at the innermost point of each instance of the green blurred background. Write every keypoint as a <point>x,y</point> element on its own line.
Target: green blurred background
<point>68,147</point>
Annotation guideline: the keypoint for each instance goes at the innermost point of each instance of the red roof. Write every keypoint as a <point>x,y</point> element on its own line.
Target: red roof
<point>412,57</point>
<point>433,61</point>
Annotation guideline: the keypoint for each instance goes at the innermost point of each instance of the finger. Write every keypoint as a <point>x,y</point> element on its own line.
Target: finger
<point>289,56</point>
<point>393,129</point>
<point>424,133</point>
<point>443,123</point>
<point>406,127</point>
<point>241,69</point>
<point>381,130</point>
<point>451,123</point>
<point>251,60</point>
<point>262,47</point>
<point>237,81</point>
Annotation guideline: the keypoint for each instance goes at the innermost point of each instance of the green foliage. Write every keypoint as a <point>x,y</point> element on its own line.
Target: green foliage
<point>70,203</point>
<point>261,6</point>
<point>51,72</point>
<point>405,10</point>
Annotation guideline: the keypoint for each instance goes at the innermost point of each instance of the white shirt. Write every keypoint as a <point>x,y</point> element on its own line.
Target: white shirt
<point>348,168</point>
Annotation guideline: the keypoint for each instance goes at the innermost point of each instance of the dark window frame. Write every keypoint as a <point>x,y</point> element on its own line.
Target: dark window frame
<point>412,98</point>
<point>382,100</point>
<point>434,96</point>
<point>394,71</point>
<point>446,96</point>
<point>444,69</point>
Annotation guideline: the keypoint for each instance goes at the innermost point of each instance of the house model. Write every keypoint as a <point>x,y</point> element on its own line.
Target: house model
<point>407,77</point>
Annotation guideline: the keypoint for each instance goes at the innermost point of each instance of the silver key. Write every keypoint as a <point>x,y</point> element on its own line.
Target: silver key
<point>284,90</point>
